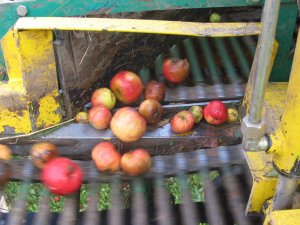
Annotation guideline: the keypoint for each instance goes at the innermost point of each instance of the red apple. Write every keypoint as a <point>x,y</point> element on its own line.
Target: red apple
<point>176,70</point>
<point>99,117</point>
<point>151,110</point>
<point>197,113</point>
<point>106,157</point>
<point>215,112</point>
<point>136,162</point>
<point>62,176</point>
<point>128,125</point>
<point>104,96</point>
<point>127,86</point>
<point>155,90</point>
<point>182,122</point>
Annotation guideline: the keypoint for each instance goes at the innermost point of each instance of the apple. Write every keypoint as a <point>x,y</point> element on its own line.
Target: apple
<point>5,152</point>
<point>182,122</point>
<point>104,96</point>
<point>106,157</point>
<point>197,113</point>
<point>215,112</point>
<point>151,110</point>
<point>127,86</point>
<point>215,18</point>
<point>82,117</point>
<point>232,115</point>
<point>154,90</point>
<point>99,117</point>
<point>43,152</point>
<point>136,162</point>
<point>62,176</point>
<point>128,125</point>
<point>176,70</point>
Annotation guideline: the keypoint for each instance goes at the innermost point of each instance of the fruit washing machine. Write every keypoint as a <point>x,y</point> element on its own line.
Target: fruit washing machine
<point>246,172</point>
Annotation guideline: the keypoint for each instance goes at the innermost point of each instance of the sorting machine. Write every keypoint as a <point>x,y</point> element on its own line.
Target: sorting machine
<point>48,72</point>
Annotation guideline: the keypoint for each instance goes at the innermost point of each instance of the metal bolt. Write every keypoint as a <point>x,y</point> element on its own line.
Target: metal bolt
<point>22,10</point>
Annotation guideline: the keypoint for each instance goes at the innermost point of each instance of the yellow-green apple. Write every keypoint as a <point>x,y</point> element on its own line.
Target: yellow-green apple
<point>197,113</point>
<point>104,96</point>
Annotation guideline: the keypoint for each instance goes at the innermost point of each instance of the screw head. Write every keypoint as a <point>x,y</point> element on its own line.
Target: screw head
<point>22,10</point>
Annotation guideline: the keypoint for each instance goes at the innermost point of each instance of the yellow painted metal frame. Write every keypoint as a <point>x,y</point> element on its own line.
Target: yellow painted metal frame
<point>286,140</point>
<point>260,163</point>
<point>139,26</point>
<point>282,115</point>
<point>30,99</point>
<point>283,217</point>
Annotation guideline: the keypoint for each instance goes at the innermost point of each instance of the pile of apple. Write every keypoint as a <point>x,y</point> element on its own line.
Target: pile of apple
<point>107,159</point>
<point>129,124</point>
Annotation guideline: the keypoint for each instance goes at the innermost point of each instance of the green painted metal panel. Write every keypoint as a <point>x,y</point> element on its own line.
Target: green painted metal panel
<point>284,35</point>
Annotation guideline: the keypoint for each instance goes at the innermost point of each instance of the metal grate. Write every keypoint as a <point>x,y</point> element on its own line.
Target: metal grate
<point>224,197</point>
<point>219,68</point>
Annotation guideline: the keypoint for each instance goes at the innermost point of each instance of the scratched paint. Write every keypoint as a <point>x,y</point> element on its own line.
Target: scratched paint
<point>18,121</point>
<point>48,114</point>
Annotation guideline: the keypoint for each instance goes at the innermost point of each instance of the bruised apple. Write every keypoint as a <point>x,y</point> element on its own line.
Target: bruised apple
<point>176,70</point>
<point>43,152</point>
<point>104,96</point>
<point>182,122</point>
<point>62,176</point>
<point>197,113</point>
<point>128,125</point>
<point>155,90</point>
<point>99,117</point>
<point>215,112</point>
<point>127,86</point>
<point>136,162</point>
<point>82,117</point>
<point>151,110</point>
<point>106,157</point>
